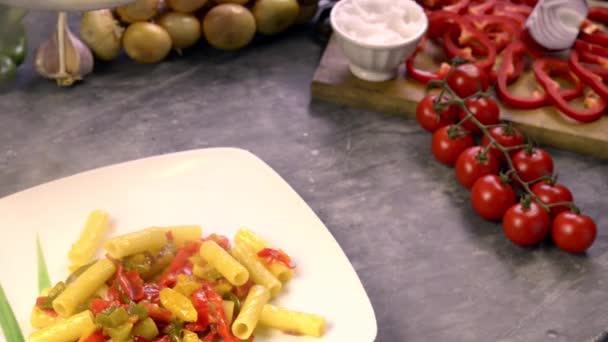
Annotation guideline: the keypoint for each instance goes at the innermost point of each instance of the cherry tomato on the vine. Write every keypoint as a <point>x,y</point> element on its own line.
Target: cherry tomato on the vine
<point>429,119</point>
<point>507,136</point>
<point>551,193</point>
<point>473,163</point>
<point>532,164</point>
<point>449,142</point>
<point>467,79</point>
<point>483,109</point>
<point>491,197</point>
<point>526,224</point>
<point>573,232</point>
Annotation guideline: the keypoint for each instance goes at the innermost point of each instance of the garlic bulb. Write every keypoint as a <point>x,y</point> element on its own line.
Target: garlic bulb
<point>63,57</point>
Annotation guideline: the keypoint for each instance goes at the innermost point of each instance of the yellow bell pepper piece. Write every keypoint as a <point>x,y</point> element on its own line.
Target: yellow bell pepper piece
<point>178,304</point>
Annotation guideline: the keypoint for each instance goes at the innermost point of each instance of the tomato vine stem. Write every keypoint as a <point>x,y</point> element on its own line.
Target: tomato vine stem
<point>454,100</point>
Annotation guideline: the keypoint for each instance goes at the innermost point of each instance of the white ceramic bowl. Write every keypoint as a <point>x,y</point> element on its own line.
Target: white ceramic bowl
<point>373,62</point>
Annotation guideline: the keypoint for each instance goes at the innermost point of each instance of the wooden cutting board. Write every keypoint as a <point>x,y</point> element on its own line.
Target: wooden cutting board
<point>333,82</point>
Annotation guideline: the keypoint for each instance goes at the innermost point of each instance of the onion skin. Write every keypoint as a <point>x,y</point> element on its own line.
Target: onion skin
<point>184,29</point>
<point>547,28</point>
<point>102,33</point>
<point>140,10</point>
<point>146,42</point>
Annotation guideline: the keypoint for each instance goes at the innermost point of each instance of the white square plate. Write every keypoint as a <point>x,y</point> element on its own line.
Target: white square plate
<point>221,189</point>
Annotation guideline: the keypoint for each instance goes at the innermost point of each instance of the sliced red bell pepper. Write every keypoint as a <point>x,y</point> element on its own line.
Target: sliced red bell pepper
<point>500,30</point>
<point>518,13</point>
<point>584,46</point>
<point>591,32</point>
<point>598,13</point>
<point>276,255</point>
<point>461,42</point>
<point>543,69</point>
<point>201,304</point>
<point>165,338</point>
<point>97,336</point>
<point>424,76</point>
<point>218,311</point>
<point>515,51</point>
<point>98,305</point>
<point>479,7</point>
<point>210,337</point>
<point>130,283</point>
<point>181,258</point>
<point>593,80</point>
<point>157,313</point>
<point>458,6</point>
<point>241,291</point>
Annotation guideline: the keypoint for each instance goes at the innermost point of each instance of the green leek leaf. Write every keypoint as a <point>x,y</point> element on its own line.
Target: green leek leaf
<point>8,322</point>
<point>44,281</point>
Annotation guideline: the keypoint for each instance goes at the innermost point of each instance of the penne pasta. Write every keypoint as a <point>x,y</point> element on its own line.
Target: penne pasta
<point>41,319</point>
<point>255,243</point>
<point>183,234</point>
<point>83,287</point>
<point>292,322</point>
<point>90,239</point>
<point>248,317</point>
<point>189,336</point>
<point>258,273</point>
<point>222,261</point>
<point>144,240</point>
<point>71,329</point>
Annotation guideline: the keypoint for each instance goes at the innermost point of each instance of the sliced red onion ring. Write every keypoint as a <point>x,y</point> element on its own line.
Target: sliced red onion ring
<point>554,24</point>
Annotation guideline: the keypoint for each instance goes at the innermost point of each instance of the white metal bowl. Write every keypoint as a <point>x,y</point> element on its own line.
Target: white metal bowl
<point>373,62</point>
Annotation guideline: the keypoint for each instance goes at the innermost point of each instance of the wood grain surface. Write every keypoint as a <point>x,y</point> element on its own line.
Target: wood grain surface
<point>334,82</point>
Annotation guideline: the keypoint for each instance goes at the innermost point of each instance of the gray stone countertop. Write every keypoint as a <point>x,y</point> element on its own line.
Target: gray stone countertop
<point>434,271</point>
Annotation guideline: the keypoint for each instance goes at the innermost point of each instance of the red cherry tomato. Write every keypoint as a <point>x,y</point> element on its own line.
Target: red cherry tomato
<point>483,109</point>
<point>467,79</point>
<point>491,197</point>
<point>532,165</point>
<point>550,193</point>
<point>572,232</point>
<point>473,164</point>
<point>429,119</point>
<point>526,226</point>
<point>506,136</point>
<point>449,142</point>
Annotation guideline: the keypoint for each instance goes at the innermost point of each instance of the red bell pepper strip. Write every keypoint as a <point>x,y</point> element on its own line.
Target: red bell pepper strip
<point>97,336</point>
<point>543,69</point>
<point>157,313</point>
<point>480,7</point>
<point>584,46</point>
<point>424,76</point>
<point>218,311</point>
<point>515,51</point>
<point>165,338</point>
<point>210,337</point>
<point>500,30</point>
<point>598,13</point>
<point>469,36</point>
<point>130,283</point>
<point>457,7</point>
<point>276,255</point>
<point>98,305</point>
<point>201,304</point>
<point>594,81</point>
<point>181,258</point>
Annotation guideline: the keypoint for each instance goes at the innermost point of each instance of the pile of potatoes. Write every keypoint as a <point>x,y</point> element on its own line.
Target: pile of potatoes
<point>147,30</point>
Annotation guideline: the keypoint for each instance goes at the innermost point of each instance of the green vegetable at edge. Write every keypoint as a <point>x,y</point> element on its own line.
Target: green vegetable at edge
<point>44,281</point>
<point>8,69</point>
<point>8,322</point>
<point>146,329</point>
